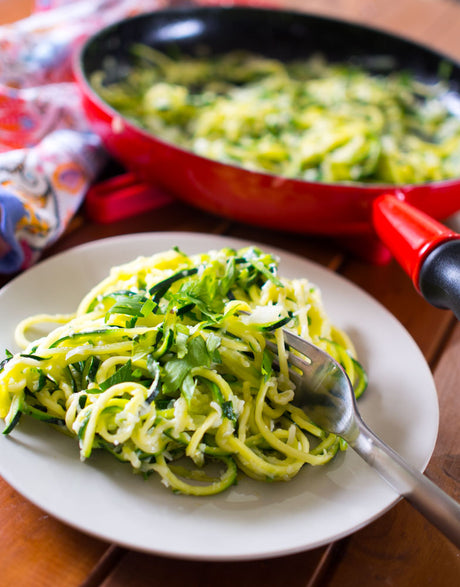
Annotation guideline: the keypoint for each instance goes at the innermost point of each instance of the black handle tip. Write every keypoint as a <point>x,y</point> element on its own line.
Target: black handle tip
<point>439,277</point>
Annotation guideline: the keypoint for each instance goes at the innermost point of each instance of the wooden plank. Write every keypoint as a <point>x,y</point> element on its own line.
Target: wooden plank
<point>434,24</point>
<point>176,217</point>
<point>431,22</point>
<point>443,33</point>
<point>444,467</point>
<point>183,218</point>
<point>400,549</point>
<point>12,10</point>
<point>141,570</point>
<point>412,18</point>
<point>35,547</point>
<point>356,10</point>
<point>393,288</point>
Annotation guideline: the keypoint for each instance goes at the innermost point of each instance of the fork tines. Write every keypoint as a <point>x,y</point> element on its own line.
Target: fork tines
<point>310,353</point>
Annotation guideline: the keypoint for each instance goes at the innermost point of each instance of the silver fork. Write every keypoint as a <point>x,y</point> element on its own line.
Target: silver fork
<point>325,393</point>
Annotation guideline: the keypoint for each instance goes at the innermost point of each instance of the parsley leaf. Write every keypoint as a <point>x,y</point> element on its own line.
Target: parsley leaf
<point>176,370</point>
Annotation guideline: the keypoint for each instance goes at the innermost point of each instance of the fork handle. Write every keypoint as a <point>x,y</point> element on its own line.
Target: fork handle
<point>429,499</point>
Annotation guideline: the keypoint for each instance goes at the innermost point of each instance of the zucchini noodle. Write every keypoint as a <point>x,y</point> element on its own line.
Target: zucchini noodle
<point>164,365</point>
<point>310,119</point>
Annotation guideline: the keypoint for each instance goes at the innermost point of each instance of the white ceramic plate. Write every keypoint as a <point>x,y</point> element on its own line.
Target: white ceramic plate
<point>253,519</point>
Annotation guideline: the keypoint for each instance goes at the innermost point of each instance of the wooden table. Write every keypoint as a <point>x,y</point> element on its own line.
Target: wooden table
<point>400,548</point>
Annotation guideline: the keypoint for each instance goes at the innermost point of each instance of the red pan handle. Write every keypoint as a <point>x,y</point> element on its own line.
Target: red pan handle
<point>122,196</point>
<point>427,250</point>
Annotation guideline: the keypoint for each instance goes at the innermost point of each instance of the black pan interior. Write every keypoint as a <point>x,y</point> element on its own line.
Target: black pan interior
<point>283,35</point>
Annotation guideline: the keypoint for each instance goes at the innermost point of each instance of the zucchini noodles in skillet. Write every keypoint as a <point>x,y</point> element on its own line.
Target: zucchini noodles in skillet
<point>164,365</point>
<point>308,119</point>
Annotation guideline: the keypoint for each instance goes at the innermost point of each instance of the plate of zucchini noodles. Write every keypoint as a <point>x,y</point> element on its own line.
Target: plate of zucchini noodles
<point>140,404</point>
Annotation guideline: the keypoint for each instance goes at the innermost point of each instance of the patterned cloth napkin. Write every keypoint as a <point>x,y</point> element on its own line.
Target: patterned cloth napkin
<point>48,155</point>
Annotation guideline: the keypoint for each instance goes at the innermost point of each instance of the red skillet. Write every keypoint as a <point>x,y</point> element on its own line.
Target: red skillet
<point>351,210</point>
